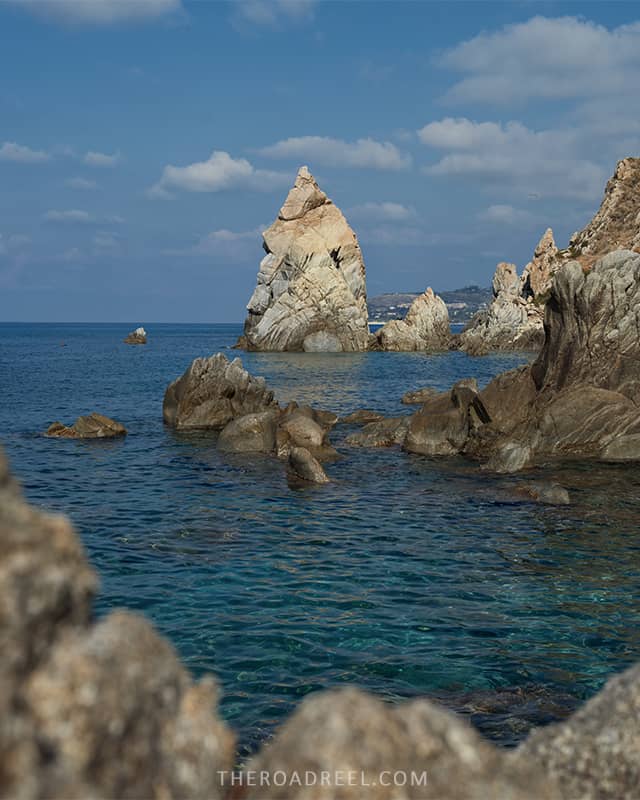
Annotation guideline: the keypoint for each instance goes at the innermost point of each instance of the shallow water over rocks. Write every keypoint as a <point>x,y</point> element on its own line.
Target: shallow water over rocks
<point>406,575</point>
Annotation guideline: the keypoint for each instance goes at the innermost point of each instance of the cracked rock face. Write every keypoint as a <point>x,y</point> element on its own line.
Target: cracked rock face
<point>311,292</point>
<point>425,327</point>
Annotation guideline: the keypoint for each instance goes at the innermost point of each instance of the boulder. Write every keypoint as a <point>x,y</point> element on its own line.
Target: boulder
<point>301,429</point>
<point>425,327</point>
<point>251,433</point>
<point>139,336</point>
<point>212,392</point>
<point>383,751</point>
<point>310,293</point>
<point>302,466</point>
<point>594,754</point>
<point>546,493</point>
<point>91,709</point>
<point>92,426</point>
<point>384,433</point>
<point>362,416</point>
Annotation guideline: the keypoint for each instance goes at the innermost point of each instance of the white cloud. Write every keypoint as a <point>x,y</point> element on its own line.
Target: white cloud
<point>565,57</point>
<point>104,240</point>
<point>273,12</point>
<point>237,246</point>
<point>99,12</point>
<point>218,173</point>
<point>11,151</point>
<point>381,211</point>
<point>81,183</point>
<point>337,153</point>
<point>96,159</point>
<point>510,155</point>
<point>504,214</point>
<point>72,216</point>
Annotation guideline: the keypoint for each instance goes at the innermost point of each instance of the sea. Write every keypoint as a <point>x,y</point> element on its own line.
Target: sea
<point>406,576</point>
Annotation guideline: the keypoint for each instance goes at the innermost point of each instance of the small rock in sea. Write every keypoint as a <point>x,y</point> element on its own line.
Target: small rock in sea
<point>251,433</point>
<point>303,466</point>
<point>418,396</point>
<point>548,493</point>
<point>362,416</point>
<point>139,336</point>
<point>93,426</point>
<point>384,433</point>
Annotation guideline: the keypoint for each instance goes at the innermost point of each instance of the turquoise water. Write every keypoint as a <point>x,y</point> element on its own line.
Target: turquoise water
<point>406,576</point>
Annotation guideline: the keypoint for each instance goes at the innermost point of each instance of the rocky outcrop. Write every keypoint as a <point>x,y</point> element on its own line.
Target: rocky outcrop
<point>90,709</point>
<point>302,466</point>
<point>363,416</point>
<point>93,426</point>
<point>515,318</point>
<point>417,397</point>
<point>212,392</point>
<point>139,336</point>
<point>385,432</point>
<point>579,400</point>
<point>616,225</point>
<point>425,327</point>
<point>311,293</point>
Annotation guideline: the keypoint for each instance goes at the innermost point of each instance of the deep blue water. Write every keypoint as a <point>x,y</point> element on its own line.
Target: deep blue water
<point>406,576</point>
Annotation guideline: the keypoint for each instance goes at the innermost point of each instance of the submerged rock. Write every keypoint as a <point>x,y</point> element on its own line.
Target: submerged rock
<point>139,336</point>
<point>92,426</point>
<point>425,327</point>
<point>311,293</point>
<point>417,397</point>
<point>413,751</point>
<point>546,493</point>
<point>212,392</point>
<point>302,466</point>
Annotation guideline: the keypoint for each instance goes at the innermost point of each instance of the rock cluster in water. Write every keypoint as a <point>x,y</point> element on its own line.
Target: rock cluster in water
<point>311,292</point>
<point>139,336</point>
<point>92,426</point>
<point>514,320</point>
<point>105,709</point>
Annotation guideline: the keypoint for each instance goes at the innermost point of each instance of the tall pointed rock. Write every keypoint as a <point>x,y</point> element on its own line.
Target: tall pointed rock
<point>311,292</point>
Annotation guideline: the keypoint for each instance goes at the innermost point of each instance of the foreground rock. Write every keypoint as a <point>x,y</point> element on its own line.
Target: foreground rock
<point>362,416</point>
<point>425,327</point>
<point>411,750</point>
<point>212,392</point>
<point>594,755</point>
<point>384,432</point>
<point>417,397</point>
<point>311,293</point>
<point>302,466</point>
<point>90,710</point>
<point>139,336</point>
<point>93,426</point>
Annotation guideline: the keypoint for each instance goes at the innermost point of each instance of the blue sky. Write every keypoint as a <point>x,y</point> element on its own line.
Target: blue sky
<point>144,145</point>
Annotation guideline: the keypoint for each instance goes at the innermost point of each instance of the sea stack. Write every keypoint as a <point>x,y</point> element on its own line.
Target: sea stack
<point>425,327</point>
<point>311,293</point>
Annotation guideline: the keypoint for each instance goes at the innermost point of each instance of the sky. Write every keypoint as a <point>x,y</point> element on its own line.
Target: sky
<point>144,144</point>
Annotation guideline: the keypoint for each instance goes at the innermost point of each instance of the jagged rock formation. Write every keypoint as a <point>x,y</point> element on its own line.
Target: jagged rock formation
<point>139,336</point>
<point>93,426</point>
<point>425,327</point>
<point>212,392</point>
<point>515,318</point>
<point>578,400</point>
<point>90,709</point>
<point>311,292</point>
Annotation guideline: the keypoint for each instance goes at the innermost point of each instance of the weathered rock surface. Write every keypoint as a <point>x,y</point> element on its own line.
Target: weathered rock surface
<point>251,433</point>
<point>302,466</point>
<point>311,292</point>
<point>307,428</point>
<point>425,327</point>
<point>594,754</point>
<point>92,426</point>
<point>139,336</point>
<point>212,392</point>
<point>384,433</point>
<point>363,416</point>
<point>90,710</point>
<point>417,397</point>
<point>346,733</point>
<point>515,318</point>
